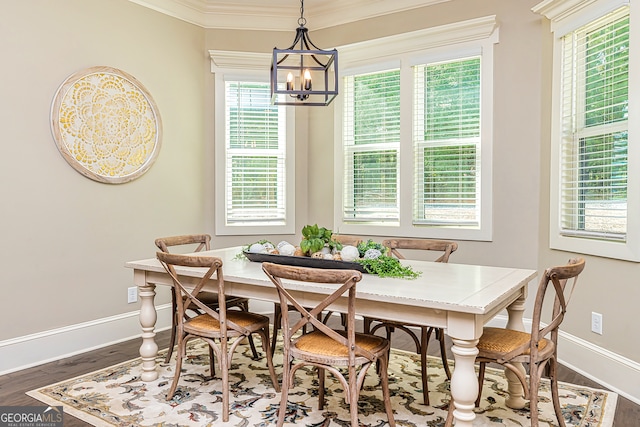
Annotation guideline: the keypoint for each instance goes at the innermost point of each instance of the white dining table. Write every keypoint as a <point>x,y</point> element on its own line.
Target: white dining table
<point>460,298</point>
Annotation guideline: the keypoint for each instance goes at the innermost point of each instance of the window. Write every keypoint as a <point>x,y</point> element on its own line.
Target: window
<point>447,143</point>
<point>595,98</point>
<point>255,155</point>
<point>416,136</point>
<point>254,158</point>
<point>593,201</point>
<point>371,143</point>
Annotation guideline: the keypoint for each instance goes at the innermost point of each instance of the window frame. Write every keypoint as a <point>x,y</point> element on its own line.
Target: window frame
<point>474,37</point>
<point>247,67</point>
<point>351,150</point>
<point>421,144</point>
<point>566,18</point>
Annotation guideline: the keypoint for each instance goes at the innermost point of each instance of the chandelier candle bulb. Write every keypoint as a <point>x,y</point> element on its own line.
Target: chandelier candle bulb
<point>289,81</point>
<point>307,80</point>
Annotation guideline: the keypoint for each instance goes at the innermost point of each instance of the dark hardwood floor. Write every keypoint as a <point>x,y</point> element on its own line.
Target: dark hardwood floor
<point>13,386</point>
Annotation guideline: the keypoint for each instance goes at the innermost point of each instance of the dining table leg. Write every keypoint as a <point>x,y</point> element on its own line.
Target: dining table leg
<point>148,317</point>
<point>515,399</point>
<point>464,381</point>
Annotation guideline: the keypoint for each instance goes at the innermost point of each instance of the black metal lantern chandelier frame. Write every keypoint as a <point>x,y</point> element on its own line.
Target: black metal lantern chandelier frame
<point>304,74</point>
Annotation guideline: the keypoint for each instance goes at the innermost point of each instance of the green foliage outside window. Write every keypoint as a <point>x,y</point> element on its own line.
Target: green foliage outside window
<point>451,136</point>
<point>253,151</point>
<point>377,108</point>
<point>603,157</point>
<point>254,182</point>
<point>452,100</point>
<point>375,177</point>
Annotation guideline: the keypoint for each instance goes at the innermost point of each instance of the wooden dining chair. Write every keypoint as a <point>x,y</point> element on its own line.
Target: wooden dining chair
<point>197,243</point>
<point>444,249</point>
<point>325,348</point>
<point>538,349</point>
<point>344,239</point>
<point>222,329</point>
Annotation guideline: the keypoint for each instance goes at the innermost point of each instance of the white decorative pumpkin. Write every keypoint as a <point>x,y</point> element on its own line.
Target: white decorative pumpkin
<point>287,249</point>
<point>349,253</point>
<point>283,243</point>
<point>268,246</point>
<point>257,248</point>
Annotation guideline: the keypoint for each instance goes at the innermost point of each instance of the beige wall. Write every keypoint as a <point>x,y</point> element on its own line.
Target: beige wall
<point>65,237</point>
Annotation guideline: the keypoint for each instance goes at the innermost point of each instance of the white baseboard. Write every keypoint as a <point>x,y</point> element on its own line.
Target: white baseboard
<point>611,370</point>
<point>47,346</point>
<point>608,369</point>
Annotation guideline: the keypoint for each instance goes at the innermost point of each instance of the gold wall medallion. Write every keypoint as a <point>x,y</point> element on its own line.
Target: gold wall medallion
<point>106,125</point>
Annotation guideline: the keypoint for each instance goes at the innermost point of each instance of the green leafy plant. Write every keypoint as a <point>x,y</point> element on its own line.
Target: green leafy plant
<point>386,266</point>
<point>363,247</point>
<point>314,238</point>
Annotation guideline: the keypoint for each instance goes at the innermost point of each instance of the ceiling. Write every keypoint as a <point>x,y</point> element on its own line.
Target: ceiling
<point>278,15</point>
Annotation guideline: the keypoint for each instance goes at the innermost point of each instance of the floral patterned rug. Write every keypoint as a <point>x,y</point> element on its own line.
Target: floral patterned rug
<point>116,396</point>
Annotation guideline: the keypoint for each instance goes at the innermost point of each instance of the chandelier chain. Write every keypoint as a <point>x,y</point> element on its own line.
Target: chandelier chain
<point>302,21</point>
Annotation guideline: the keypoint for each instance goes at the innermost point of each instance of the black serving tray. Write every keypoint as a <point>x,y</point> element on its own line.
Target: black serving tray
<point>304,261</point>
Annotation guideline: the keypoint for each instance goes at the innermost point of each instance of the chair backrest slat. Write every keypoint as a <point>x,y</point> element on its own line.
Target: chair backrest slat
<point>445,246</point>
<point>203,242</point>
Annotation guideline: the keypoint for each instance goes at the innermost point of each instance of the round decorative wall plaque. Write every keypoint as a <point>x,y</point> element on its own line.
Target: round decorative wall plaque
<point>106,125</point>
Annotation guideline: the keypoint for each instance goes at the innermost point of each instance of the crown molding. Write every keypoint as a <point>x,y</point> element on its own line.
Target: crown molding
<point>567,15</point>
<point>556,10</point>
<point>483,28</point>
<point>224,60</point>
<point>277,15</point>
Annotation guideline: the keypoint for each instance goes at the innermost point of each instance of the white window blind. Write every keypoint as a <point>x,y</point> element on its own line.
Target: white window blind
<point>595,98</point>
<point>447,143</point>
<point>371,126</point>
<point>255,155</point>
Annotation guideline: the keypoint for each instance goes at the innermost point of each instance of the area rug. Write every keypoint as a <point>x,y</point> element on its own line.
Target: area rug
<point>116,396</point>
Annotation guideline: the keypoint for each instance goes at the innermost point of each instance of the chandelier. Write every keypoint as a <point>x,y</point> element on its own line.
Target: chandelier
<point>303,74</point>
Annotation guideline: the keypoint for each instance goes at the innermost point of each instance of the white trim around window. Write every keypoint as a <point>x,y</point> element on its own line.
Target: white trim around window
<point>433,45</point>
<point>568,18</point>
<point>242,68</point>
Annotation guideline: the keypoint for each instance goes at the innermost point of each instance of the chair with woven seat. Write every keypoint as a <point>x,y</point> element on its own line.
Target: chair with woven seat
<point>343,239</point>
<point>222,329</point>
<point>444,249</point>
<point>538,349</point>
<point>197,243</point>
<point>325,348</point>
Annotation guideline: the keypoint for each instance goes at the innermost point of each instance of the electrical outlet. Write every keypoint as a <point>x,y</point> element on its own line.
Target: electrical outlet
<point>596,322</point>
<point>132,294</point>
